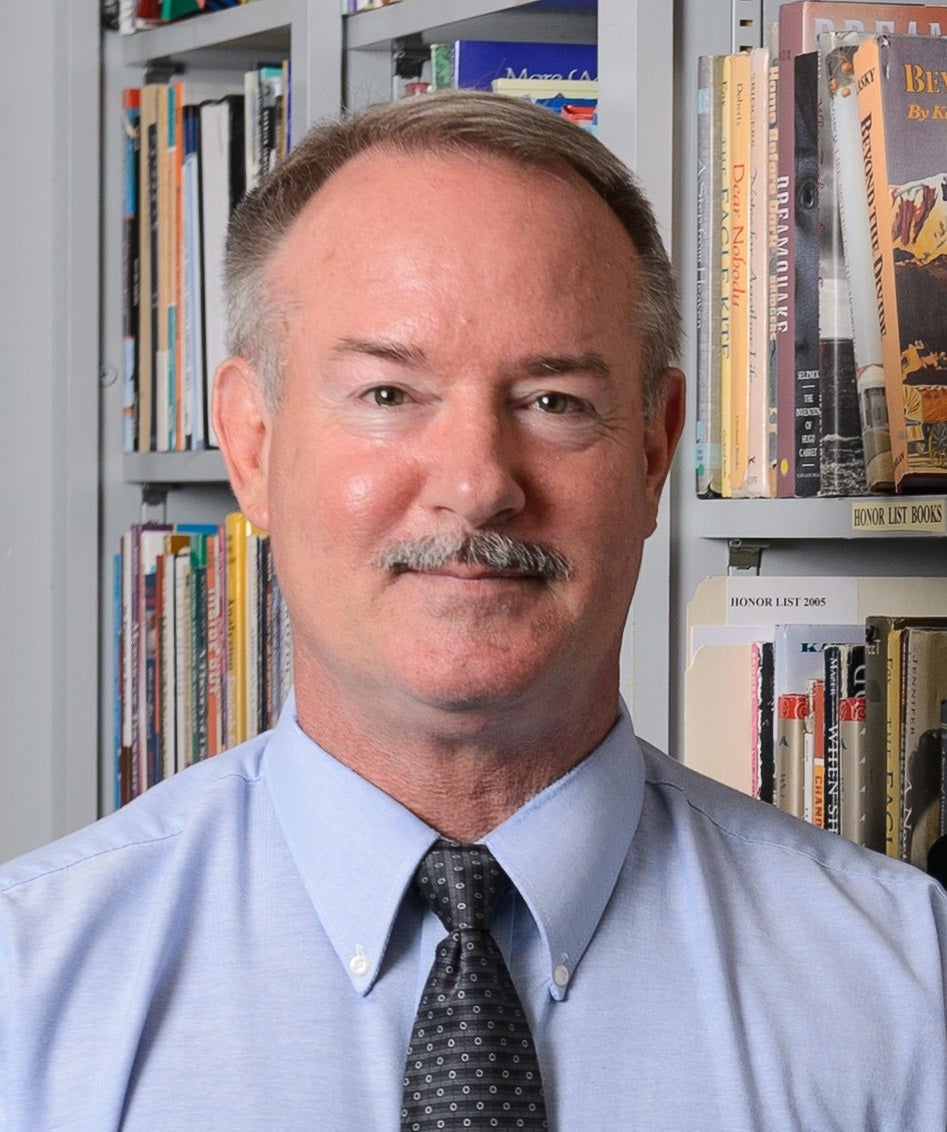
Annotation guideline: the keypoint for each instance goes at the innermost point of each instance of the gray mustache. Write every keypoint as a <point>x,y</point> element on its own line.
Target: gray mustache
<point>479,548</point>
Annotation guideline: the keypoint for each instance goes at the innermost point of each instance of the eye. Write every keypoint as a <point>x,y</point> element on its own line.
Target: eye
<point>557,403</point>
<point>387,396</point>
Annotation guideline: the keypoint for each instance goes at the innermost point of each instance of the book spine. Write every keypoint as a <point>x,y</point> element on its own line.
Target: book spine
<point>724,323</point>
<point>214,651</point>
<point>816,725</point>
<point>893,698</point>
<point>790,44</point>
<point>791,711</point>
<point>876,786</point>
<point>709,109</point>
<point>853,812</point>
<point>131,129</point>
<point>834,692</point>
<point>925,686</point>
<point>738,172</point>
<point>236,539</point>
<point>841,457</point>
<point>757,479</point>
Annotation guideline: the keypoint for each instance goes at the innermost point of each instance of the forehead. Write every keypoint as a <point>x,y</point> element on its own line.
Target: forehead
<point>434,202</point>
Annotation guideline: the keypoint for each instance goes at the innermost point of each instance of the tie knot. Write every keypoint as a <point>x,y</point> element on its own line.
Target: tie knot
<point>461,883</point>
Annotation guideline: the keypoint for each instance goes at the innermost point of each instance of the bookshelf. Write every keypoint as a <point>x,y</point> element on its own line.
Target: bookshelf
<point>648,51</point>
<point>789,536</point>
<point>347,61</point>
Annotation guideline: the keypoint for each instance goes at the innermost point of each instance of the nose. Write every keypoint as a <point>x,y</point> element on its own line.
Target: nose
<point>473,467</point>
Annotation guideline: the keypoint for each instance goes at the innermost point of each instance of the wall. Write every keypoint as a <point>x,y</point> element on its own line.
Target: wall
<point>49,419</point>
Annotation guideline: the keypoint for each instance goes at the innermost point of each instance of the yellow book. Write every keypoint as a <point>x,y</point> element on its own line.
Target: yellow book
<point>737,402</point>
<point>724,322</point>
<point>236,530</point>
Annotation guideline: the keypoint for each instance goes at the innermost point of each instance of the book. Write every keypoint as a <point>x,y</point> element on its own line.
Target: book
<point>236,533</point>
<point>798,432</point>
<point>151,94</point>
<point>763,783</point>
<point>575,99</point>
<point>164,254</point>
<point>923,689</point>
<point>841,455</point>
<point>904,133</point>
<point>760,458</point>
<point>883,633</point>
<point>735,389</point>
<point>815,735</point>
<point>844,678</point>
<point>194,377</point>
<point>853,782</point>
<point>131,131</point>
<point>791,712</point>
<point>477,62</point>
<point>837,50</point>
<point>222,185</point>
<point>707,456</point>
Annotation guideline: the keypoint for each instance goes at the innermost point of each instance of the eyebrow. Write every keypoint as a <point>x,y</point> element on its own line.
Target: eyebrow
<point>588,362</point>
<point>539,365</point>
<point>381,348</point>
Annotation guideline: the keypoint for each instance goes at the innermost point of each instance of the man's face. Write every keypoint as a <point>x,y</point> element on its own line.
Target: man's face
<point>460,357</point>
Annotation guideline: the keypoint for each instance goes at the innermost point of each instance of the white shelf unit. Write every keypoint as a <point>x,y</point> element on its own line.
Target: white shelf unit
<point>795,536</point>
<point>648,52</point>
<point>348,59</point>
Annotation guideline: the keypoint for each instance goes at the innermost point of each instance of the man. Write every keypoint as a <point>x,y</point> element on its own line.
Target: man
<point>452,404</point>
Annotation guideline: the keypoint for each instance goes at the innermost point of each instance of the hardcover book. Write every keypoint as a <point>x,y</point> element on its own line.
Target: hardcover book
<point>837,50</point>
<point>902,99</point>
<point>708,460</point>
<point>841,456</point>
<point>924,688</point>
<point>477,62</point>
<point>735,399</point>
<point>131,129</point>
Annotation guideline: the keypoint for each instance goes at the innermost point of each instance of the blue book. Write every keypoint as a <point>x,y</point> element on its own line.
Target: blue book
<point>477,62</point>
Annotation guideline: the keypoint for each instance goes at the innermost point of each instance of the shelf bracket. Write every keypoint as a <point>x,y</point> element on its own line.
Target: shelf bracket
<point>154,502</point>
<point>744,556</point>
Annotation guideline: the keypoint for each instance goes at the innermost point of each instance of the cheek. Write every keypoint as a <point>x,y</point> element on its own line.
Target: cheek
<point>333,499</point>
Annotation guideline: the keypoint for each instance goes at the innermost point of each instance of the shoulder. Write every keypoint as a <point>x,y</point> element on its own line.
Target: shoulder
<point>753,842</point>
<point>135,837</point>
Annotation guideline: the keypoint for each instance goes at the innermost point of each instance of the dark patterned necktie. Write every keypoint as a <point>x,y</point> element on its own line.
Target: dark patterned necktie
<point>471,1063</point>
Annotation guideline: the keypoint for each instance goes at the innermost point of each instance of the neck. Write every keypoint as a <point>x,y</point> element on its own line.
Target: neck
<point>465,773</point>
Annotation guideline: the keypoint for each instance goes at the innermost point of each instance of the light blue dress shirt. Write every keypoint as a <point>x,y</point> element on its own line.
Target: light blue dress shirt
<point>236,952</point>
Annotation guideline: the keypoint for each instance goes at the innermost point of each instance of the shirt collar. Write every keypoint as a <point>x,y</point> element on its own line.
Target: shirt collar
<point>357,849</point>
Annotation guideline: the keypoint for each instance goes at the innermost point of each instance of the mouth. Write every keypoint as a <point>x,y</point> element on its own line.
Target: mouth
<point>462,572</point>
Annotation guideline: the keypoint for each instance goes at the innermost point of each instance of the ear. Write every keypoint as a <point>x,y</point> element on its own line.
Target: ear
<point>243,424</point>
<point>662,432</point>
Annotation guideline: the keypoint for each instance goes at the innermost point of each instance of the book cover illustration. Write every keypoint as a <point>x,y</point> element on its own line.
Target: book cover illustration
<point>903,106</point>
<point>842,457</point>
<point>477,62</point>
<point>837,50</point>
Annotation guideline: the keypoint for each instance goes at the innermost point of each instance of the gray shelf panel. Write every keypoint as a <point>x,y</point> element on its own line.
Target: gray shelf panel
<point>263,26</point>
<point>800,519</point>
<point>174,467</point>
<point>472,19</point>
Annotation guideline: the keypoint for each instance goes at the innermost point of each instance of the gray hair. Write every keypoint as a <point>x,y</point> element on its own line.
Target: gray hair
<point>448,121</point>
